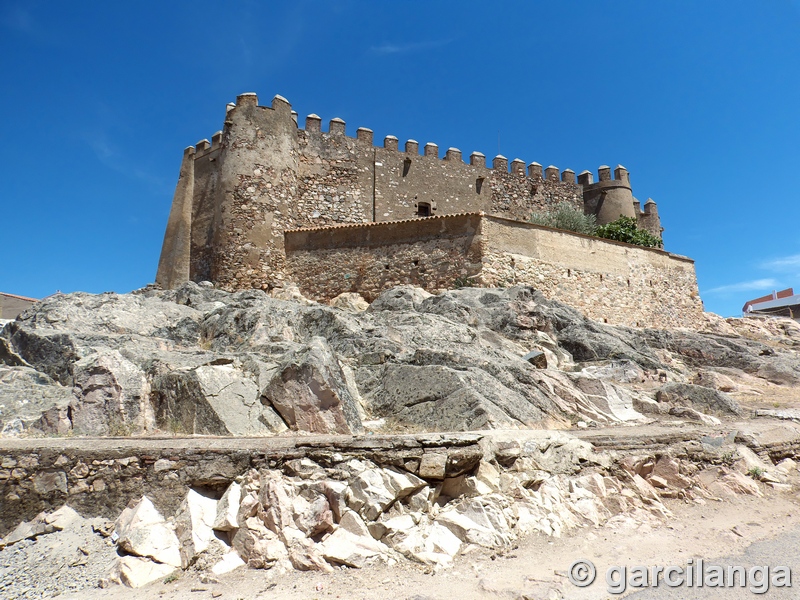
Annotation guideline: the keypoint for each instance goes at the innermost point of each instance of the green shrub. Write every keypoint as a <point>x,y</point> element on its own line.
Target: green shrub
<point>566,217</point>
<point>624,229</point>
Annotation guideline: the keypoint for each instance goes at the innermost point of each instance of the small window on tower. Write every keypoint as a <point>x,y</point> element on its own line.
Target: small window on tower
<point>423,209</point>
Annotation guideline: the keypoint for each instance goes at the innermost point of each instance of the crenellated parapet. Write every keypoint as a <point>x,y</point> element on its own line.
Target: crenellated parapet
<point>608,198</point>
<point>648,218</point>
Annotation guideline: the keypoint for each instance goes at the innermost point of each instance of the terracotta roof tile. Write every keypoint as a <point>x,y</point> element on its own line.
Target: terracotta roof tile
<point>377,223</point>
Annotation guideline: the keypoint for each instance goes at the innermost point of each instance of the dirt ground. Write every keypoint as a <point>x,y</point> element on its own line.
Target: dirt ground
<point>536,569</point>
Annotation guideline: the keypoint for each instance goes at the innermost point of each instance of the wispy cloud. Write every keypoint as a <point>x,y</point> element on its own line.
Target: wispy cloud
<point>408,47</point>
<point>755,285</point>
<point>112,157</point>
<point>786,263</point>
<point>19,19</point>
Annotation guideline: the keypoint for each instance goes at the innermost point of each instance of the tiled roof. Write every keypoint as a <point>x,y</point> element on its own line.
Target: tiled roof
<point>377,223</point>
<point>19,297</point>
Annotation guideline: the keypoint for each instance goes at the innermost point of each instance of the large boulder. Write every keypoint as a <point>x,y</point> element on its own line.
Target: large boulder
<point>25,395</point>
<point>217,399</point>
<point>311,394</point>
<point>704,399</point>
<point>194,525</point>
<point>111,396</point>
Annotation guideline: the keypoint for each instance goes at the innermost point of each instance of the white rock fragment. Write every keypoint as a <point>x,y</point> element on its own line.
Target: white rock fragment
<point>194,525</point>
<point>143,532</point>
<point>228,508</point>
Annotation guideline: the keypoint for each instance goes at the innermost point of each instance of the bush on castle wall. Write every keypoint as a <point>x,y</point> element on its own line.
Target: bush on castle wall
<point>624,229</point>
<point>566,217</point>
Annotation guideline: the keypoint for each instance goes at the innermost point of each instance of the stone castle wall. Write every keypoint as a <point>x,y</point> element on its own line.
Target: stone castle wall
<point>609,281</point>
<point>263,175</point>
<point>243,199</point>
<point>433,253</point>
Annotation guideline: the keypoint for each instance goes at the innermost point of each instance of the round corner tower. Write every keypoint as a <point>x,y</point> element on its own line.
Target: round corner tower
<point>608,199</point>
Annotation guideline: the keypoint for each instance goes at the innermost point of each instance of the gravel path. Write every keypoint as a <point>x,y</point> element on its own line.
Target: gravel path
<point>55,563</point>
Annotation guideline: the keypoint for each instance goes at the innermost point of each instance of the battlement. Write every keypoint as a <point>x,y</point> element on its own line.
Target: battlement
<point>621,177</point>
<point>338,127</point>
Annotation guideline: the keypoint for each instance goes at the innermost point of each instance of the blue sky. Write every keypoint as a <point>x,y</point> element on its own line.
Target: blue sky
<point>699,100</point>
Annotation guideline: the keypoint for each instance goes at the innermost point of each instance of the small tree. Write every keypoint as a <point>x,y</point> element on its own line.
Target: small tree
<point>624,229</point>
<point>566,217</point>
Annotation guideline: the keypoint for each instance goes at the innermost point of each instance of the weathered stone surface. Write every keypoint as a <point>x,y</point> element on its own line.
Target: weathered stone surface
<point>26,394</point>
<point>715,381</point>
<point>217,363</point>
<point>63,518</point>
<point>228,508</point>
<point>194,525</point>
<point>257,545</point>
<point>690,414</point>
<point>709,350</point>
<point>212,399</point>
<point>433,465</point>
<point>310,392</point>
<point>143,532</point>
<point>275,496</point>
<point>111,396</point>
<point>345,548</point>
<point>704,399</point>
<point>135,572</point>
<point>312,513</point>
<point>47,482</point>
<point>26,530</point>
<point>350,301</point>
<point>404,297</point>
<point>478,521</point>
<point>372,491</point>
<point>229,562</point>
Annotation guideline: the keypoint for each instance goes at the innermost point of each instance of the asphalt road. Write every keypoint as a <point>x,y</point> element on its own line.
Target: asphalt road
<point>783,550</point>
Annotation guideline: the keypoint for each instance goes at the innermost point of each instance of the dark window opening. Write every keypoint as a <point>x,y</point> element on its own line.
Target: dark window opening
<point>424,209</point>
<point>478,184</point>
<point>406,166</point>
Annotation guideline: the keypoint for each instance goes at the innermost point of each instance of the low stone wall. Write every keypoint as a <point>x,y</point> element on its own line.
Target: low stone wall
<point>434,253</point>
<point>100,476</point>
<point>608,281</point>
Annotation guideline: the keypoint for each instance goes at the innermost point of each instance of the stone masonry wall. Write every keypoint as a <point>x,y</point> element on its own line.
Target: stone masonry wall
<point>608,281</point>
<point>434,253</point>
<point>100,476</point>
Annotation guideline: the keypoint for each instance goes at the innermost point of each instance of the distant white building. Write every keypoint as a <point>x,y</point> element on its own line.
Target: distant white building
<point>777,304</point>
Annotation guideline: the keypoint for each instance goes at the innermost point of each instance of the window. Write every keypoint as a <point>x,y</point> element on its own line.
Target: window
<point>423,209</point>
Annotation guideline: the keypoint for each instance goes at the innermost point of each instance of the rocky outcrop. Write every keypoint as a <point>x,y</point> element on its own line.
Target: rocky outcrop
<point>703,399</point>
<point>200,360</point>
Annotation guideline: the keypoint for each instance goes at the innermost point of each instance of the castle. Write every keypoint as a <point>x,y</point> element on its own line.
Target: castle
<point>266,203</point>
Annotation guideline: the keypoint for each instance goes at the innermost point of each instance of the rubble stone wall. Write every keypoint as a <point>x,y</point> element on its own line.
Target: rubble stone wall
<point>609,281</point>
<point>433,254</point>
<point>99,478</point>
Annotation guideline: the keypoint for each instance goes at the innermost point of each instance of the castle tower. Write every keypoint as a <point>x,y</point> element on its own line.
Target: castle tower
<point>608,199</point>
<point>173,264</point>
